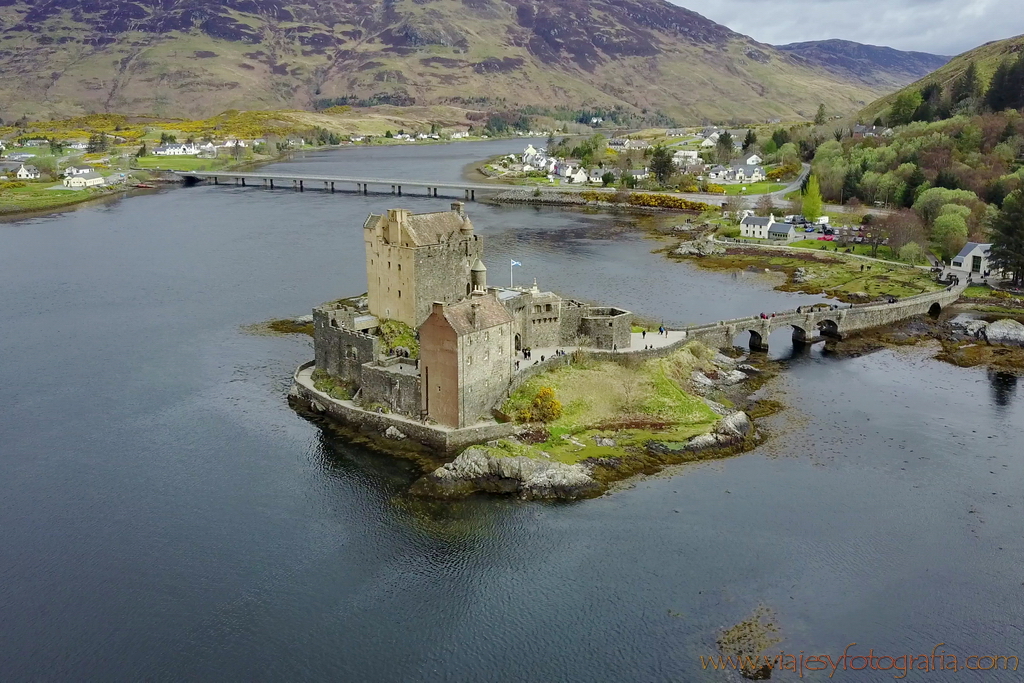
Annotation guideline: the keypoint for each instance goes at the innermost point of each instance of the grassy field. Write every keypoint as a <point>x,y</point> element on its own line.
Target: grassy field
<point>38,197</point>
<point>630,403</point>
<point>831,275</point>
<point>754,188</point>
<point>884,252</point>
<point>182,163</point>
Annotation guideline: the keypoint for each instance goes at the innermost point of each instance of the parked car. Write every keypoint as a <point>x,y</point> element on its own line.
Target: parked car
<point>808,229</point>
<point>828,238</point>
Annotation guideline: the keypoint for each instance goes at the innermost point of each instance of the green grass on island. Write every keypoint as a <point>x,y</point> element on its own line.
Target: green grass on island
<point>833,275</point>
<point>631,402</point>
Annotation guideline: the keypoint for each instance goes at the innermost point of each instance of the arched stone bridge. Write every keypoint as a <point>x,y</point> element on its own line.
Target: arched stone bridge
<point>819,321</point>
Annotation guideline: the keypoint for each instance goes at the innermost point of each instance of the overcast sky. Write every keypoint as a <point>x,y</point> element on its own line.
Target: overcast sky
<point>946,27</point>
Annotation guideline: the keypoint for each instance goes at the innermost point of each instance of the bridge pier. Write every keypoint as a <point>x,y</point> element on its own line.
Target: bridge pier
<point>271,183</point>
<point>332,187</point>
<point>216,181</point>
<point>399,190</point>
<point>435,191</point>
<point>392,189</point>
<point>243,182</point>
<point>301,187</point>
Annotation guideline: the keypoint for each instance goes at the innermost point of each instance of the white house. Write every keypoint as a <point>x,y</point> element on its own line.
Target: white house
<point>82,180</point>
<point>529,152</point>
<point>685,157</point>
<point>753,160</point>
<point>595,175</point>
<point>747,174</point>
<point>580,176</point>
<point>76,170</point>
<point>718,173</point>
<point>78,144</point>
<point>710,142</point>
<point>756,226</point>
<point>27,173</point>
<point>176,149</point>
<point>973,259</point>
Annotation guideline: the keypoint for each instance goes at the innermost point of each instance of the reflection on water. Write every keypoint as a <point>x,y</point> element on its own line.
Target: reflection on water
<point>166,516</point>
<point>1004,387</point>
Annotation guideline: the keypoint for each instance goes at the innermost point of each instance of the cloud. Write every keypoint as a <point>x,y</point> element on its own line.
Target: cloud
<point>938,26</point>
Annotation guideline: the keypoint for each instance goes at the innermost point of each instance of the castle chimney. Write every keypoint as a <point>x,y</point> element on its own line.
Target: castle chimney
<point>459,208</point>
<point>473,312</point>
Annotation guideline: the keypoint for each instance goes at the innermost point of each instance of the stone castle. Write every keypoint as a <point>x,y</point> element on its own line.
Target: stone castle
<point>426,272</point>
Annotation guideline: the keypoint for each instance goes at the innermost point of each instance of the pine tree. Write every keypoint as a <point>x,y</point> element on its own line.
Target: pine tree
<point>750,140</point>
<point>661,164</point>
<point>1008,237</point>
<point>915,181</point>
<point>812,203</point>
<point>819,118</point>
<point>966,86</point>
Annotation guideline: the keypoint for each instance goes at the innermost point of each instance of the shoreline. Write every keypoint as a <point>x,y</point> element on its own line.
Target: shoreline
<point>502,460</point>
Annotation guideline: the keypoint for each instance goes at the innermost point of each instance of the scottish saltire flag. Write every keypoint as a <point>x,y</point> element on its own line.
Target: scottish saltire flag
<point>515,263</point>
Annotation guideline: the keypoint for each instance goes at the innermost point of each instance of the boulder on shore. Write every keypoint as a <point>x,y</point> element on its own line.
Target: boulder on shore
<point>699,248</point>
<point>729,431</point>
<point>477,470</point>
<point>1006,332</point>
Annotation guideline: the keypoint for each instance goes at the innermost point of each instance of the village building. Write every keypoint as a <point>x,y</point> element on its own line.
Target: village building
<point>78,181</point>
<point>756,226</point>
<point>27,173</point>
<point>426,271</point>
<point>973,260</point>
<point>177,149</point>
<point>782,232</point>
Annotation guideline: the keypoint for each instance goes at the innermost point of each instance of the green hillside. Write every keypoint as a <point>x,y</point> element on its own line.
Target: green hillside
<point>986,59</point>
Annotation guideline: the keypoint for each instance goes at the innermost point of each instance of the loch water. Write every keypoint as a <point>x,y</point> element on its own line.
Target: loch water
<point>165,516</point>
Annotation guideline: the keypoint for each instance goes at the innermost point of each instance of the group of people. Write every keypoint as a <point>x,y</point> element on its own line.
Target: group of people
<point>662,330</point>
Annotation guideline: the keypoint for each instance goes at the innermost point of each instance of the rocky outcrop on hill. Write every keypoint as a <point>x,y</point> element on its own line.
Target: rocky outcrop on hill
<point>477,470</point>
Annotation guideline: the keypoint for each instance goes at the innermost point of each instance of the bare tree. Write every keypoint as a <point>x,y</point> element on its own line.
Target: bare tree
<point>900,228</point>
<point>765,205</point>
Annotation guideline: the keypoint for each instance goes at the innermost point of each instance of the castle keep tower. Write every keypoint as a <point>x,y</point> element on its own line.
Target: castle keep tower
<point>413,260</point>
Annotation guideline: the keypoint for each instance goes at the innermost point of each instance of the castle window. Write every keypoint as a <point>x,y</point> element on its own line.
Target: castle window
<point>536,309</point>
<point>469,360</point>
<point>547,307</point>
<point>399,266</point>
<point>389,264</point>
<point>399,294</point>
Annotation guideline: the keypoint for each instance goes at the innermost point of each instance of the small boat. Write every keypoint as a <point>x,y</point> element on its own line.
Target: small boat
<point>145,186</point>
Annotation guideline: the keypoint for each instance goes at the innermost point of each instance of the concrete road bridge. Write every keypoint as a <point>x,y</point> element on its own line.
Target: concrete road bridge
<point>431,188</point>
<point>812,323</point>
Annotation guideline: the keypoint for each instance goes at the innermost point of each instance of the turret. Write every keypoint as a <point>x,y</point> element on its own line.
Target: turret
<point>478,276</point>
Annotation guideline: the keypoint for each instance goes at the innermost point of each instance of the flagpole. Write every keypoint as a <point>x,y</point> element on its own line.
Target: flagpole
<point>511,262</point>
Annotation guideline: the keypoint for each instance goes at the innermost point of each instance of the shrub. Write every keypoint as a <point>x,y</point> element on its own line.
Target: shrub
<point>545,407</point>
<point>331,385</point>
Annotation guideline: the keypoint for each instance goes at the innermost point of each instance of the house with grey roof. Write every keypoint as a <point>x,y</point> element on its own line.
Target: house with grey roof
<point>973,259</point>
<point>757,226</point>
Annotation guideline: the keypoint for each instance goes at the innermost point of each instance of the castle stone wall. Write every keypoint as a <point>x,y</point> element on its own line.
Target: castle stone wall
<point>339,351</point>
<point>396,386</point>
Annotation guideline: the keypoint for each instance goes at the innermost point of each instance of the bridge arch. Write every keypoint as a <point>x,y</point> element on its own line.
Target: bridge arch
<point>935,310</point>
<point>799,335</point>
<point>829,328</point>
<point>757,341</point>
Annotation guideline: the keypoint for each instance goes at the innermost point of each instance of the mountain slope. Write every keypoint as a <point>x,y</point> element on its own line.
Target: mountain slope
<point>986,57</point>
<point>872,64</point>
<point>197,57</point>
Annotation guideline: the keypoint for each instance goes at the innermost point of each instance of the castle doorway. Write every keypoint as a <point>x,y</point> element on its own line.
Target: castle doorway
<point>519,343</point>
